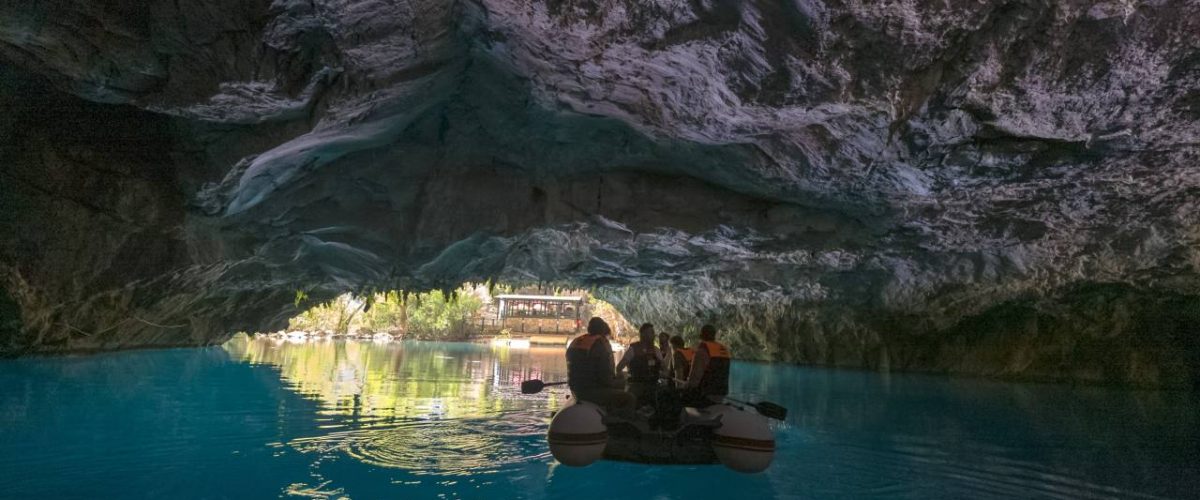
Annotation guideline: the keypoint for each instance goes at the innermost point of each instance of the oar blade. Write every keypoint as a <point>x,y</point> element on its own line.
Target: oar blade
<point>532,386</point>
<point>771,410</point>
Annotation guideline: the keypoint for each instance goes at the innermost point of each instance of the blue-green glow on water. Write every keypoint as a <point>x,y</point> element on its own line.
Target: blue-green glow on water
<point>263,418</point>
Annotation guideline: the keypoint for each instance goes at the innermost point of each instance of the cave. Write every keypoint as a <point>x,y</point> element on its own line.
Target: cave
<point>1005,191</point>
<point>996,202</point>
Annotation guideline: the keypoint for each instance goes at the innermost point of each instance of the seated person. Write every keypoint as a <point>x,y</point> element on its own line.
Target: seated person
<point>664,348</point>
<point>708,380</point>
<point>681,360</point>
<point>591,373</point>
<point>644,363</point>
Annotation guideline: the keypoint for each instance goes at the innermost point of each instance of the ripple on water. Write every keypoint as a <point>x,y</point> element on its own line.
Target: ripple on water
<point>907,468</point>
<point>467,446</point>
<point>307,491</point>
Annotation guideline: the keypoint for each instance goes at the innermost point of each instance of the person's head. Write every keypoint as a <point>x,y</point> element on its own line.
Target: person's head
<point>663,338</point>
<point>646,333</point>
<point>677,342</point>
<point>597,326</point>
<point>708,332</point>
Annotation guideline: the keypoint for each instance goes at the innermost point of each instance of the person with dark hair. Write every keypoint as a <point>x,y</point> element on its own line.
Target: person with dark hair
<point>590,371</point>
<point>681,360</point>
<point>645,365</point>
<point>708,380</point>
<point>664,349</point>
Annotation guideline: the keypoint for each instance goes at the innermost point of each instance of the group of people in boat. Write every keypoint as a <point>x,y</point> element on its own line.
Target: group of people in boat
<point>663,376</point>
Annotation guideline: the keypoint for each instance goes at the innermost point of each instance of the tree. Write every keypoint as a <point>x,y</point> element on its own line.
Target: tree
<point>336,315</point>
<point>432,315</point>
<point>387,313</point>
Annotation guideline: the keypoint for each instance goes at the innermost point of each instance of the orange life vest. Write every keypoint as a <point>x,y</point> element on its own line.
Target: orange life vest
<point>683,360</point>
<point>715,380</point>
<point>586,369</point>
<point>584,342</point>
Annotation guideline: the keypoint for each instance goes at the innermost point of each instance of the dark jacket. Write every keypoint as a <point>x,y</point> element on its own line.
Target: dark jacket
<point>645,363</point>
<point>590,364</point>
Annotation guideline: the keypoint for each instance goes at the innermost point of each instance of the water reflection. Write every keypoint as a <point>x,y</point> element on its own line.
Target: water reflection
<point>454,410</point>
<point>429,408</point>
<point>424,420</point>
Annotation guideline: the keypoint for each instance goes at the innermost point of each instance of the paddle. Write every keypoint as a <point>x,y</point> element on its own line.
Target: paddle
<point>765,408</point>
<point>535,386</point>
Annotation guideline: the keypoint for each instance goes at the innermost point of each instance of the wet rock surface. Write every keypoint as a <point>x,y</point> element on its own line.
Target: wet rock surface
<point>1000,188</point>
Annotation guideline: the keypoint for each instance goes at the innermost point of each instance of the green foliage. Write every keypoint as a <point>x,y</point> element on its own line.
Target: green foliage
<point>337,315</point>
<point>495,289</point>
<point>438,315</point>
<point>429,315</point>
<point>387,314</point>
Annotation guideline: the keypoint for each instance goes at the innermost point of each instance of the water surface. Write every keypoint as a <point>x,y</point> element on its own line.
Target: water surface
<point>266,418</point>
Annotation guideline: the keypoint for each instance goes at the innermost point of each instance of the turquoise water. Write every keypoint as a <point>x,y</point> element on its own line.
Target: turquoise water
<point>263,418</point>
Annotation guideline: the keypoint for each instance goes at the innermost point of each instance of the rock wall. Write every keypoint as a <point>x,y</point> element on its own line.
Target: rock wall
<point>1003,188</point>
<point>1111,334</point>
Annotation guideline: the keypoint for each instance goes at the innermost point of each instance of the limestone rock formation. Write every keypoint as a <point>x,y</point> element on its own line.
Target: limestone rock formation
<point>998,188</point>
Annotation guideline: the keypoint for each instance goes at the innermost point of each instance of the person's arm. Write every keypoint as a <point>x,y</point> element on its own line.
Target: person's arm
<point>677,367</point>
<point>699,364</point>
<point>609,377</point>
<point>625,360</point>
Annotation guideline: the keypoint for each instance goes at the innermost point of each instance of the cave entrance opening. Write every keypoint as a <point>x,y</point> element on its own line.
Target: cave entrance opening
<point>497,313</point>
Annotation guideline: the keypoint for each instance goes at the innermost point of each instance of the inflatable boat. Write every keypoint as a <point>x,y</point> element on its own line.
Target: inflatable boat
<point>738,437</point>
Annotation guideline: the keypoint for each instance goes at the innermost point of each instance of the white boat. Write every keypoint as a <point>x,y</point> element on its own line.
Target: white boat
<point>742,440</point>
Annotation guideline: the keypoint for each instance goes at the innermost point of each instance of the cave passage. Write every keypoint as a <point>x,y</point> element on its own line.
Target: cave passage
<point>242,242</point>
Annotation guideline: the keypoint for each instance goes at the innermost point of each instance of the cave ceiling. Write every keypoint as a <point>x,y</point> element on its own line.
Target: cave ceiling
<point>842,162</point>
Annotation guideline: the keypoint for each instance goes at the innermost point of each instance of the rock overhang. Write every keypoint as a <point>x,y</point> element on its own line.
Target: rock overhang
<point>833,183</point>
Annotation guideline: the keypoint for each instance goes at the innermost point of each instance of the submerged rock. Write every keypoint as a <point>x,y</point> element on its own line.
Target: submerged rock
<point>1003,189</point>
